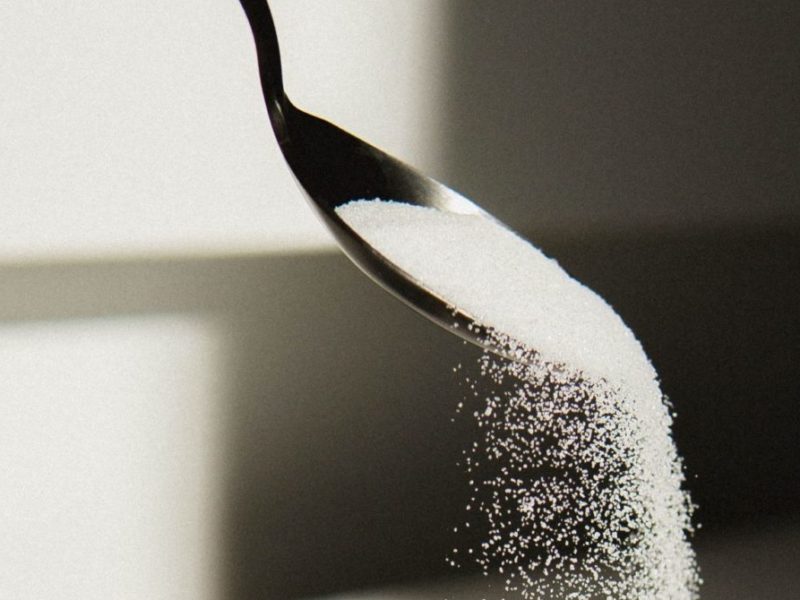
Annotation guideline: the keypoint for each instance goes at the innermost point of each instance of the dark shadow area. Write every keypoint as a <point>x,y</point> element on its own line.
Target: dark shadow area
<point>341,455</point>
<point>614,115</point>
<point>344,452</point>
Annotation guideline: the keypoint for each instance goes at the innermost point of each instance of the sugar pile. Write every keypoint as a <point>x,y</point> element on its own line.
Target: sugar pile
<point>576,480</point>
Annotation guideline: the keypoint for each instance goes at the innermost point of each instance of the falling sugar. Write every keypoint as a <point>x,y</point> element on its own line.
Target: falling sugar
<point>576,477</point>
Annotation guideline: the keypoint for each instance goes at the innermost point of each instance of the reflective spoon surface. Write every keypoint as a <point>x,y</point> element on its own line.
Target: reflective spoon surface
<point>334,167</point>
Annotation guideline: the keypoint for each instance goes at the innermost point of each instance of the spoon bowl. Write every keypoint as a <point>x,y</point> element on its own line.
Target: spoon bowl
<point>334,167</point>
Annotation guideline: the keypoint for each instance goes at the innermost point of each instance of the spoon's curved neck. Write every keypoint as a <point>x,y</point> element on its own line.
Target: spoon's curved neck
<point>269,63</point>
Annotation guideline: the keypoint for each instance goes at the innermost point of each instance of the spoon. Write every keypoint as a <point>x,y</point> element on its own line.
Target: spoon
<point>334,167</point>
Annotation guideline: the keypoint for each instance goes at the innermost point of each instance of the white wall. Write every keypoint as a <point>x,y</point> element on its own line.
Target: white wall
<point>110,454</point>
<point>138,126</point>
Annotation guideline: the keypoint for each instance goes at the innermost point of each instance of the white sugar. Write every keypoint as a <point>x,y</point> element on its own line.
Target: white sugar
<point>576,480</point>
<point>503,281</point>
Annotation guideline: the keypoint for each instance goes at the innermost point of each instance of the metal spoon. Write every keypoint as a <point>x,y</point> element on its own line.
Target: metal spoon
<point>334,167</point>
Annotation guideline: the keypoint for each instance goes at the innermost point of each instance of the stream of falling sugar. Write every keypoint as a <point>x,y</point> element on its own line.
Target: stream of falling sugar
<point>576,482</point>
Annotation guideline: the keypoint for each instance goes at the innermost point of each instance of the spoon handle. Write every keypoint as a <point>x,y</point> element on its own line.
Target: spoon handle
<point>269,62</point>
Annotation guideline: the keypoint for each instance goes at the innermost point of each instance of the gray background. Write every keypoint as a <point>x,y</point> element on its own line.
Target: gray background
<point>625,114</point>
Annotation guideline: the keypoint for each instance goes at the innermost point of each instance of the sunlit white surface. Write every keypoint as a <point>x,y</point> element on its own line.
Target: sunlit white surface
<point>138,126</point>
<point>109,446</point>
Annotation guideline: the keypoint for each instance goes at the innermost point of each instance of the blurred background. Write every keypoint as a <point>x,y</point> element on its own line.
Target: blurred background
<point>201,398</point>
